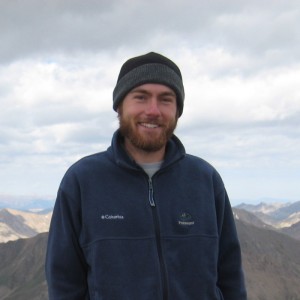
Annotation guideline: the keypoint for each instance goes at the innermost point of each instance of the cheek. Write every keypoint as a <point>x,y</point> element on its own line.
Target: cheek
<point>170,112</point>
<point>129,111</point>
<point>170,115</point>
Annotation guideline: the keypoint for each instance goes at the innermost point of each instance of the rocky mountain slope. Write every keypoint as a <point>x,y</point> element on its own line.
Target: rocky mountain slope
<point>22,269</point>
<point>293,231</point>
<point>15,224</point>
<point>270,256</point>
<point>279,215</point>
<point>271,263</point>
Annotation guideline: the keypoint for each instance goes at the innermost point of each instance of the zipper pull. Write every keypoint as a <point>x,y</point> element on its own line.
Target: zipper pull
<point>151,199</point>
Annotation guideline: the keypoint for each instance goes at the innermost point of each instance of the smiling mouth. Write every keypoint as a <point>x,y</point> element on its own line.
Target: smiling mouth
<point>149,125</point>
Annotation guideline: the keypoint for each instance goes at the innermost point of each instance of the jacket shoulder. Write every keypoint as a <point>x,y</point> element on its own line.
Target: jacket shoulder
<point>85,166</point>
<point>197,166</point>
<point>87,162</point>
<point>199,163</point>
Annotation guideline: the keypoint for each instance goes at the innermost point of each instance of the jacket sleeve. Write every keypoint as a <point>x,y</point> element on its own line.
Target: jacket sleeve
<point>230,274</point>
<point>66,269</point>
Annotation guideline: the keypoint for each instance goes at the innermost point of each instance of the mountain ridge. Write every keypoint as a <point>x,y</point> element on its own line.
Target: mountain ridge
<point>271,262</point>
<point>270,259</point>
<point>278,215</point>
<point>26,203</point>
<point>15,224</point>
<point>22,269</point>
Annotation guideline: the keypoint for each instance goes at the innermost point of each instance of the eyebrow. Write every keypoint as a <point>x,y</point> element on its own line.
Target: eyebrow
<point>143,91</point>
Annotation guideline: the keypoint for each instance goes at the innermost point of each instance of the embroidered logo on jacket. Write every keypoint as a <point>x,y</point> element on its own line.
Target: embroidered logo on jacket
<point>112,217</point>
<point>186,219</point>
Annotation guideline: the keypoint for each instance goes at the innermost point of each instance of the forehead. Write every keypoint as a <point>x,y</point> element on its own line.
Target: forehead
<point>153,88</point>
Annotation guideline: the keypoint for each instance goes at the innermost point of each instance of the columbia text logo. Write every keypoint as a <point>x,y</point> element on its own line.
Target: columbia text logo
<point>112,217</point>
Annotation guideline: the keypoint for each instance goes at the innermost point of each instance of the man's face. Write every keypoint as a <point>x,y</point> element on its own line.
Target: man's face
<point>148,116</point>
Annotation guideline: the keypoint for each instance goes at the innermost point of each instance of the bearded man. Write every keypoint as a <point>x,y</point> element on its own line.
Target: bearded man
<point>144,220</point>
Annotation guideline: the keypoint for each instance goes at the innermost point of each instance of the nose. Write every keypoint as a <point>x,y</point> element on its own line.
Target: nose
<point>153,107</point>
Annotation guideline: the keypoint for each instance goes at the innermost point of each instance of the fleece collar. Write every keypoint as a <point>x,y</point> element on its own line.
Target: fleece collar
<point>174,152</point>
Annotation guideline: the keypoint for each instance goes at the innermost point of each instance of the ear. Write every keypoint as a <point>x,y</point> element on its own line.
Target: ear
<point>119,109</point>
<point>177,112</point>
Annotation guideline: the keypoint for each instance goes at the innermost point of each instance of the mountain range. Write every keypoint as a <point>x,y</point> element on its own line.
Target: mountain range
<point>26,203</point>
<point>15,224</point>
<point>270,256</point>
<point>278,215</point>
<point>271,263</point>
<point>282,217</point>
<point>22,269</point>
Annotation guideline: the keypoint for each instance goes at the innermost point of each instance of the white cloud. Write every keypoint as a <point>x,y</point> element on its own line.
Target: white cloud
<point>59,62</point>
<point>263,28</point>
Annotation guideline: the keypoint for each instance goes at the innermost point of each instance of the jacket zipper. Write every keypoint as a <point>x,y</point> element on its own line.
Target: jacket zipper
<point>158,242</point>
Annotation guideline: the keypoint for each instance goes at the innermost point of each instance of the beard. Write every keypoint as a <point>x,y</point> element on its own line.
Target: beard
<point>146,142</point>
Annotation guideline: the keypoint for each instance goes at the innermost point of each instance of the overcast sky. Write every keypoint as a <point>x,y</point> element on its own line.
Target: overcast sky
<point>240,60</point>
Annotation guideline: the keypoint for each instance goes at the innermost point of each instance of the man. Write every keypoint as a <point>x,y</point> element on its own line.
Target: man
<point>144,220</point>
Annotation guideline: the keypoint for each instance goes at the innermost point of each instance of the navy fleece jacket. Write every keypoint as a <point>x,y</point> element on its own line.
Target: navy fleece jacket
<point>116,234</point>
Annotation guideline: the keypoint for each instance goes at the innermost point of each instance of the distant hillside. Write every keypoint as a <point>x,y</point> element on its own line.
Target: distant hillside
<point>271,259</point>
<point>271,263</point>
<point>15,224</point>
<point>293,231</point>
<point>278,215</point>
<point>22,269</point>
<point>250,218</point>
<point>25,203</point>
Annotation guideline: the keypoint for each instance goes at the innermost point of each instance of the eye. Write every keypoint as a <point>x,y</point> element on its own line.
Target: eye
<point>168,100</point>
<point>139,96</point>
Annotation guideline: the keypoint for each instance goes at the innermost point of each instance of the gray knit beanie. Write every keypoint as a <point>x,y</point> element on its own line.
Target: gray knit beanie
<point>149,68</point>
